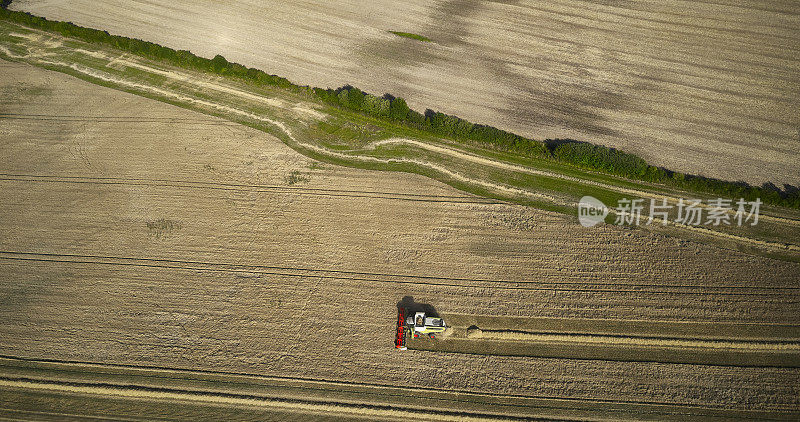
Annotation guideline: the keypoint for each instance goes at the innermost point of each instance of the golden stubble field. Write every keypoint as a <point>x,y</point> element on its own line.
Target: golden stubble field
<point>702,87</point>
<point>135,232</point>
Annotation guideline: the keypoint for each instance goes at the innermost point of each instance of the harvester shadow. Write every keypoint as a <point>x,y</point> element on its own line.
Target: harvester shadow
<point>413,307</point>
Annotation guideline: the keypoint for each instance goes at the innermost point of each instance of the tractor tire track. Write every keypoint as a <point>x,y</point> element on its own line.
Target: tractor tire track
<point>411,279</point>
<point>232,399</point>
<point>303,394</point>
<point>114,119</point>
<point>236,187</point>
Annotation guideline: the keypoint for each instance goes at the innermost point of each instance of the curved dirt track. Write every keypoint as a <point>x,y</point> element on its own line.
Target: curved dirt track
<point>513,167</point>
<point>701,87</point>
<point>39,54</point>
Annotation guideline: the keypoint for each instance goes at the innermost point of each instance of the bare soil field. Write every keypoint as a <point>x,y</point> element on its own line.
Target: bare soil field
<point>701,87</point>
<point>185,241</point>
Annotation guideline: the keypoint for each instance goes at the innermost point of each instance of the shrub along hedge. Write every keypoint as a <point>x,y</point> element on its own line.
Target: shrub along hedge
<point>613,161</point>
<point>581,154</point>
<point>440,124</point>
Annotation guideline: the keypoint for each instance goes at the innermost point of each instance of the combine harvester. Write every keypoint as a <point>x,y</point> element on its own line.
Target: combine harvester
<point>413,326</point>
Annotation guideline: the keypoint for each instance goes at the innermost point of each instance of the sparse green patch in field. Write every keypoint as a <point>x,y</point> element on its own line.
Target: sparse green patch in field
<point>295,177</point>
<point>25,90</point>
<point>162,227</point>
<point>411,36</point>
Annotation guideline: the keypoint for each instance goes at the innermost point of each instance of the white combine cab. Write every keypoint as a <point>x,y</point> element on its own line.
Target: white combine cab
<point>419,324</point>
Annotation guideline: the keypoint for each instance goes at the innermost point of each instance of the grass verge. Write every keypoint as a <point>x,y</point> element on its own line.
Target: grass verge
<point>411,35</point>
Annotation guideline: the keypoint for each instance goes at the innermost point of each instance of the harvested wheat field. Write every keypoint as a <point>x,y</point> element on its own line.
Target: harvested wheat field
<point>191,243</point>
<point>700,87</point>
<point>690,342</point>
